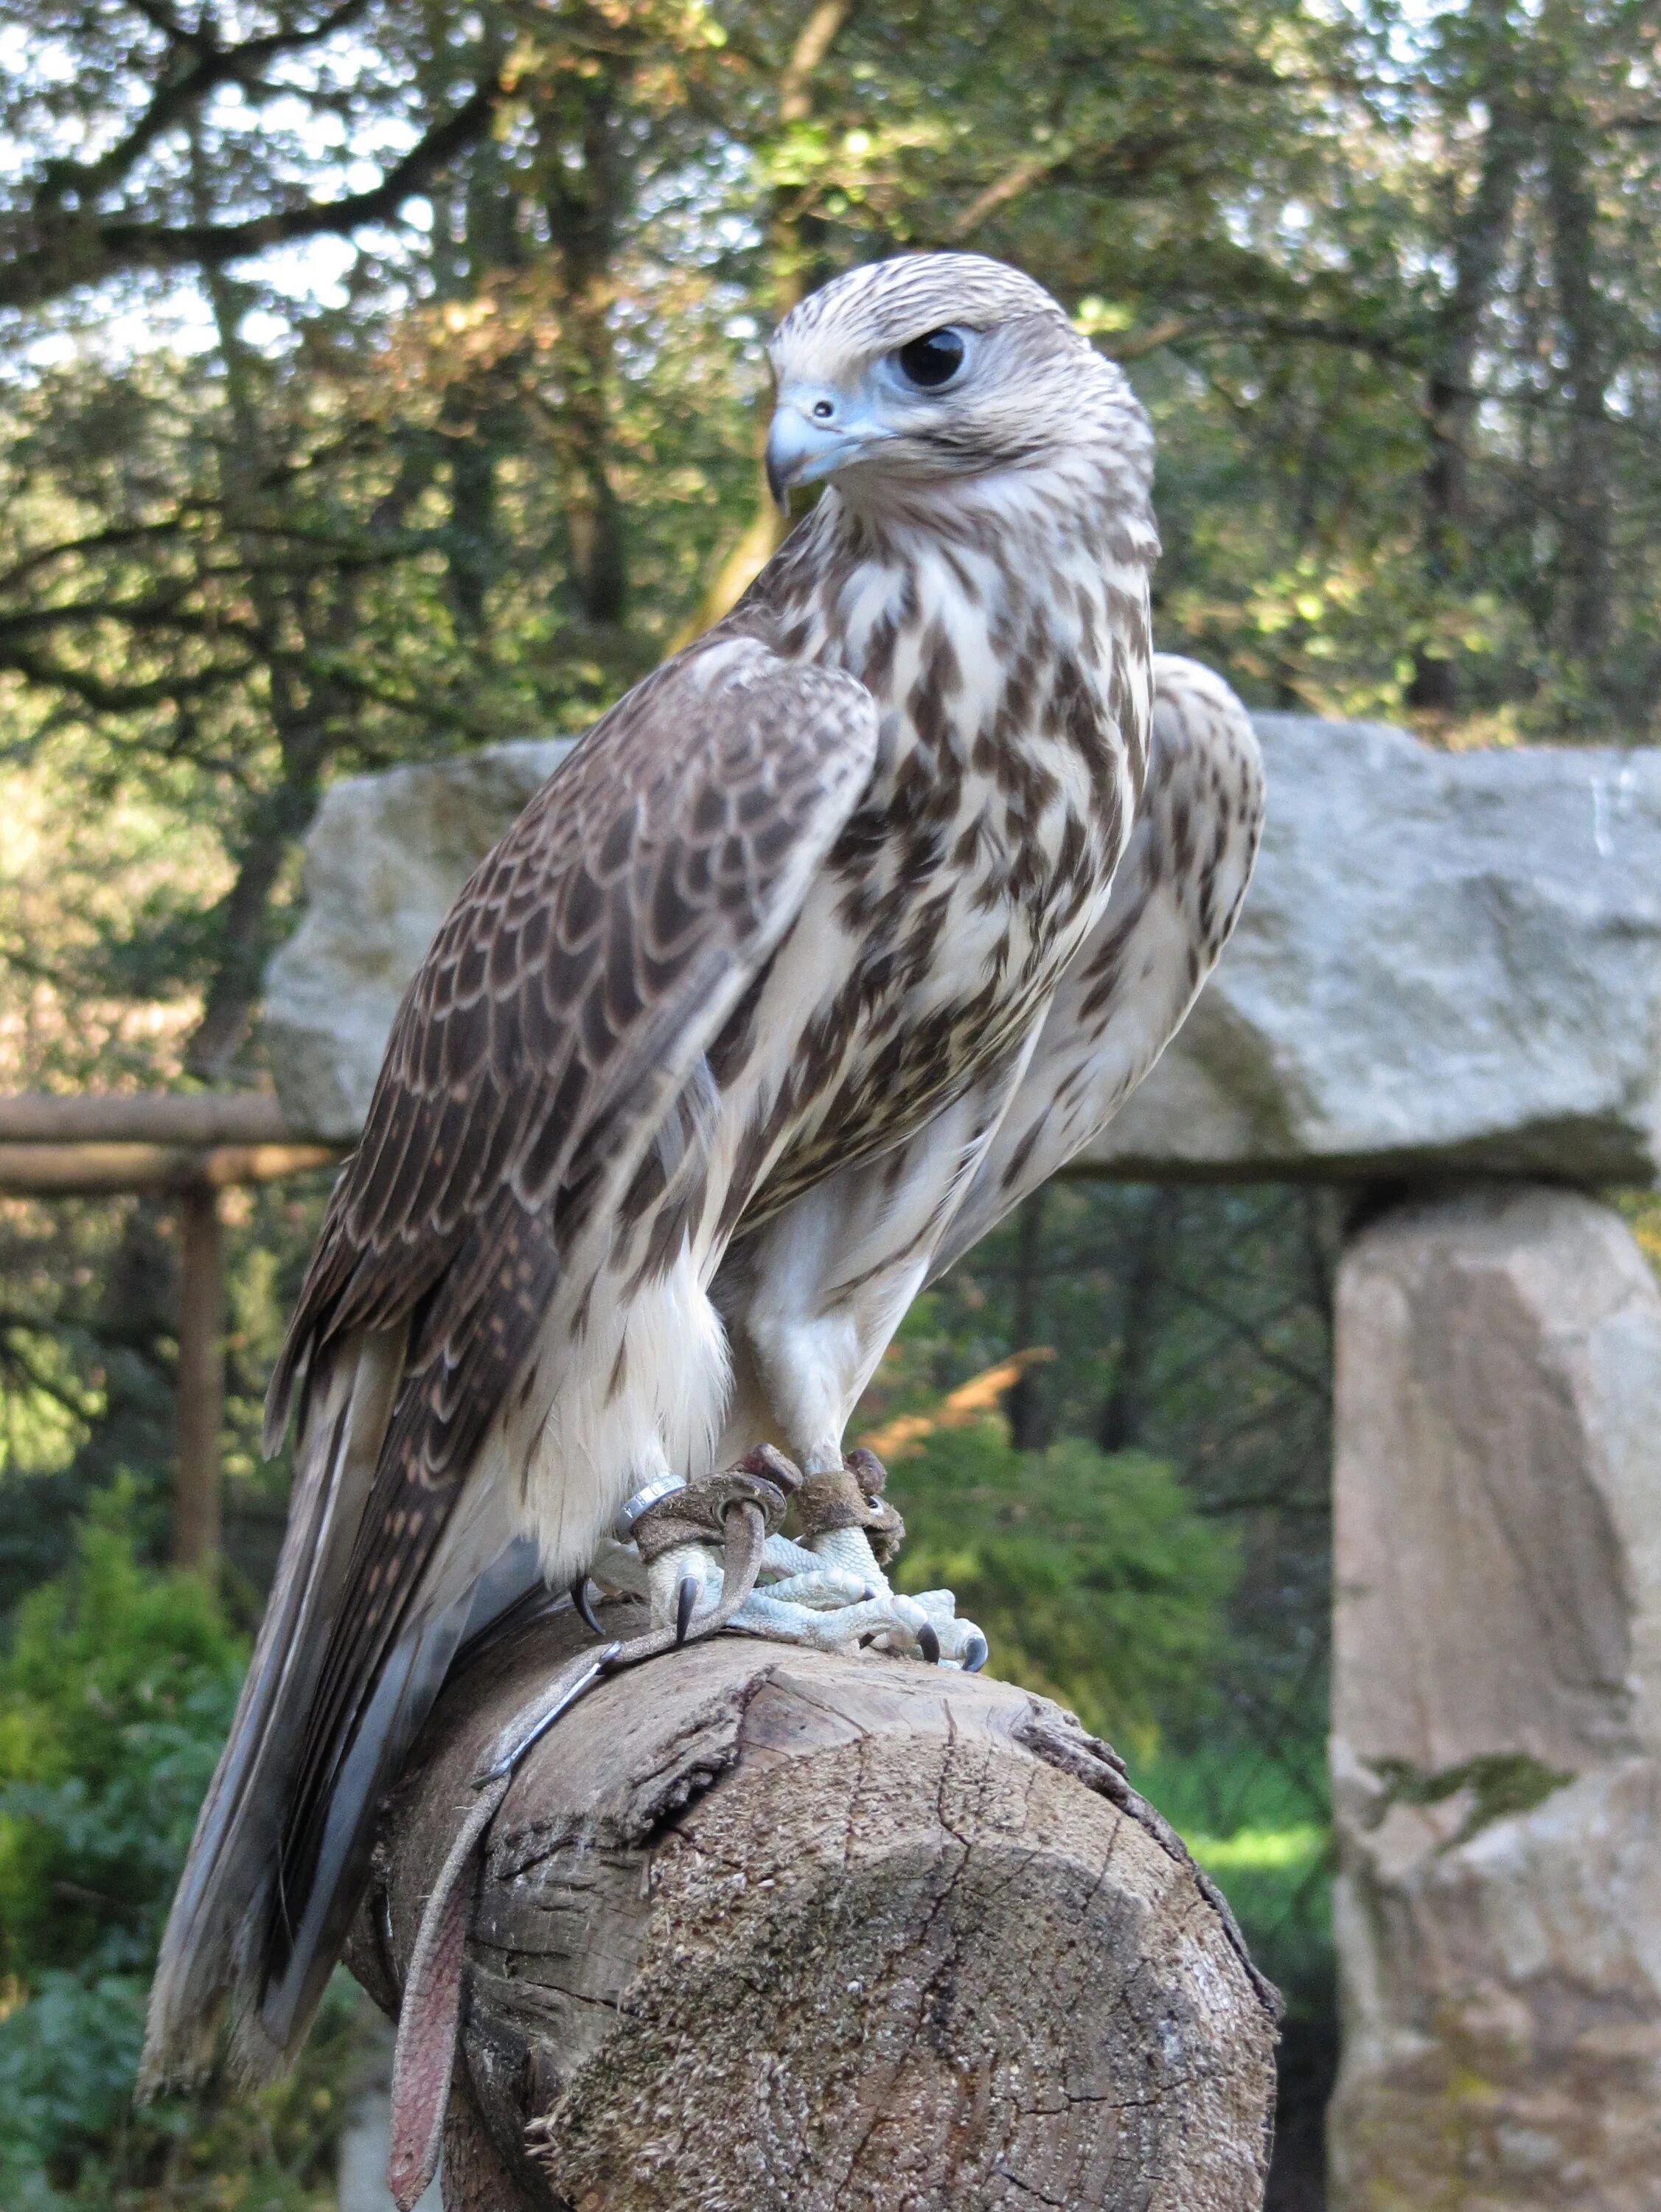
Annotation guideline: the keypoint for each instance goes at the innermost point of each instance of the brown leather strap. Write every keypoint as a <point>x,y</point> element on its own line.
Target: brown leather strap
<point>847,1498</point>
<point>697,1513</point>
<point>429,2013</point>
<point>429,2017</point>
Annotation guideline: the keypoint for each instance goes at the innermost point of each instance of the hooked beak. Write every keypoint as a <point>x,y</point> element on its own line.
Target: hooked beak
<point>801,450</point>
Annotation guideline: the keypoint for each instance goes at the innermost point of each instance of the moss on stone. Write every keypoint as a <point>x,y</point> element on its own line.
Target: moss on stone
<point>1501,1783</point>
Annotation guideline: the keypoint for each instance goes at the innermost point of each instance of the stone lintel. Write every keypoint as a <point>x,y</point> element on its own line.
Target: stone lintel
<point>1447,964</point>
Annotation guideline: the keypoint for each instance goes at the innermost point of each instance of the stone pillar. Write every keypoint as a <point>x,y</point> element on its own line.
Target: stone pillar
<point>1496,1750</point>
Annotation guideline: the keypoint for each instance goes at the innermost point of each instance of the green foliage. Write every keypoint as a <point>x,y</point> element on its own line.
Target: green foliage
<point>1248,1822</point>
<point>87,1369</point>
<point>1193,1326</point>
<point>117,1688</point>
<point>115,1694</point>
<point>1095,1581</point>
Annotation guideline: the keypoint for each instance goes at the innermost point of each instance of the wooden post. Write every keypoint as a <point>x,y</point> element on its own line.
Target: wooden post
<point>152,1117</point>
<point>201,1377</point>
<point>760,1927</point>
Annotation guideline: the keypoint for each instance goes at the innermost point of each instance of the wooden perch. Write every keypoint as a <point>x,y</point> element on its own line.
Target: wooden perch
<point>760,1928</point>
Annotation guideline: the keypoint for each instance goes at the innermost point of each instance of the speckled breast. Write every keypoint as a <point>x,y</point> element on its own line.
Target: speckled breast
<point>952,903</point>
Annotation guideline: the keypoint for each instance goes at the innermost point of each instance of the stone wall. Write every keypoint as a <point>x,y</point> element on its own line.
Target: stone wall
<point>1447,961</point>
<point>384,862</point>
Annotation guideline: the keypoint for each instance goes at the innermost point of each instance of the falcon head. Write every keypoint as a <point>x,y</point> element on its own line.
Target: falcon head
<point>931,366</point>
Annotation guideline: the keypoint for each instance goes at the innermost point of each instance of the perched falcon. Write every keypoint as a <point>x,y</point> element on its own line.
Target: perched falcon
<point>829,942</point>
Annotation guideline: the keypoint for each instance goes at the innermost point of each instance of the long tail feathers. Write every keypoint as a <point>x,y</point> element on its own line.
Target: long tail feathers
<point>237,1942</point>
<point>306,1943</point>
<point>210,1953</point>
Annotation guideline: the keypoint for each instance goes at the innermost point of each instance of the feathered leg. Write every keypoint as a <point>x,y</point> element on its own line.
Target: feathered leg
<point>812,1301</point>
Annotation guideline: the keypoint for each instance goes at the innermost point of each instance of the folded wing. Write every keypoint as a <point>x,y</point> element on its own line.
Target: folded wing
<point>587,965</point>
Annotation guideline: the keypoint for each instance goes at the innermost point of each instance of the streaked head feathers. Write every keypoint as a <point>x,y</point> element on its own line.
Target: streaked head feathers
<point>934,366</point>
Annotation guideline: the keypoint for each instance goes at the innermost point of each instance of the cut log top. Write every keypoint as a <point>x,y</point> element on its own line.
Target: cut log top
<point>759,1927</point>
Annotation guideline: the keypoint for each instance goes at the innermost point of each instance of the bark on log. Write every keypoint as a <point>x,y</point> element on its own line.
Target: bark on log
<point>758,1929</point>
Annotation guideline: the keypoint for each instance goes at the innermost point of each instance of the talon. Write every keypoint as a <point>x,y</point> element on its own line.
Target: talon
<point>585,1610</point>
<point>976,1652</point>
<point>928,1643</point>
<point>686,1599</point>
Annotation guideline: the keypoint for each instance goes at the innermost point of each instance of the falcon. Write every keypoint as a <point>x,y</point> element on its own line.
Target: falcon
<point>829,942</point>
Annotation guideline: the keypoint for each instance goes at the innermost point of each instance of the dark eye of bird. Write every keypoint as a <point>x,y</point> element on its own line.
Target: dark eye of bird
<point>932,359</point>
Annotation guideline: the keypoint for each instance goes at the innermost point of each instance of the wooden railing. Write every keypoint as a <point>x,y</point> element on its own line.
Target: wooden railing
<point>195,1145</point>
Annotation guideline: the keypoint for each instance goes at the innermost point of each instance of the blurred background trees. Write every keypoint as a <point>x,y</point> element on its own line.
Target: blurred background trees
<point>383,377</point>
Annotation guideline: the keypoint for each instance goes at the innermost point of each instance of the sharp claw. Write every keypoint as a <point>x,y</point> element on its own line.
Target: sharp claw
<point>976,1652</point>
<point>686,1599</point>
<point>585,1610</point>
<point>928,1643</point>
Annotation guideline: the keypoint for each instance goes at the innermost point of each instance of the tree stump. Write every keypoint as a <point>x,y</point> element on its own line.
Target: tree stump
<point>760,1928</point>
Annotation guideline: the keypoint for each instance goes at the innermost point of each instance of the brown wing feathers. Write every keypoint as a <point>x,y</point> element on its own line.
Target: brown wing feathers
<point>581,974</point>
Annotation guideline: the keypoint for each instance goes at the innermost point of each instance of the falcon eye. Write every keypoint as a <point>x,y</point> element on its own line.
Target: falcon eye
<point>932,359</point>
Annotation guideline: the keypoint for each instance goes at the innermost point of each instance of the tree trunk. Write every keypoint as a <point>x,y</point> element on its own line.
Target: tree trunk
<point>789,238</point>
<point>758,1926</point>
<point>587,200</point>
<point>201,1377</point>
<point>1023,1403</point>
<point>1119,1425</point>
<point>1478,244</point>
<point>1584,492</point>
<point>301,705</point>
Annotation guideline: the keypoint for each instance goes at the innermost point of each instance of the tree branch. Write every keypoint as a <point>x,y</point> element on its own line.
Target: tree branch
<point>813,42</point>
<point>176,95</point>
<point>105,698</point>
<point>54,252</point>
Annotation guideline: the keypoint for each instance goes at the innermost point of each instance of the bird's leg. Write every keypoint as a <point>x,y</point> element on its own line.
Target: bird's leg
<point>810,1304</point>
<point>826,1587</point>
<point>675,1545</point>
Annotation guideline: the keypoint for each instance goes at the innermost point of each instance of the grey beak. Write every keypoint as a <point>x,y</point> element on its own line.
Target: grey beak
<point>777,480</point>
<point>801,451</point>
